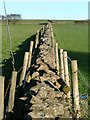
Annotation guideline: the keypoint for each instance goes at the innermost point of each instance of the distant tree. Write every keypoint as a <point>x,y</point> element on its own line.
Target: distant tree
<point>2,17</point>
<point>13,18</point>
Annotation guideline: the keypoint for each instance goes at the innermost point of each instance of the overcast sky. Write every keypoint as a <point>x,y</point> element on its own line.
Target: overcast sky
<point>47,10</point>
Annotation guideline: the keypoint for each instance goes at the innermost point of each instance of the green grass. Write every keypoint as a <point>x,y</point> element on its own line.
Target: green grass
<point>74,39</point>
<point>21,36</point>
<point>19,33</point>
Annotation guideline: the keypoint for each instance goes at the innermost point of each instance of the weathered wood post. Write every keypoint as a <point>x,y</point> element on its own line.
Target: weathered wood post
<point>66,73</point>
<point>1,98</point>
<point>30,53</point>
<point>52,41</point>
<point>52,37</point>
<point>57,59</point>
<point>12,91</point>
<point>75,86</point>
<point>25,63</point>
<point>37,39</point>
<point>61,64</point>
<point>43,29</point>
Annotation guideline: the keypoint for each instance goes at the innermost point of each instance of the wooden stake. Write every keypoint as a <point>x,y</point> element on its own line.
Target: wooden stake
<point>66,72</point>
<point>37,39</point>
<point>12,91</point>
<point>43,29</point>
<point>52,41</point>
<point>62,64</point>
<point>52,37</point>
<point>30,53</point>
<point>41,32</point>
<point>57,59</point>
<point>25,63</point>
<point>75,86</point>
<point>1,98</point>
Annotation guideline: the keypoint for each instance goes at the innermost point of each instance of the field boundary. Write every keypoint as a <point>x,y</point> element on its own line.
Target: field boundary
<point>61,65</point>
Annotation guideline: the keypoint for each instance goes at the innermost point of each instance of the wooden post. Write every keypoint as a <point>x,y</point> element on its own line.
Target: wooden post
<point>66,73</point>
<point>75,86</point>
<point>41,32</point>
<point>12,91</point>
<point>52,40</point>
<point>57,59</point>
<point>30,53</point>
<point>43,29</point>
<point>53,43</point>
<point>1,98</point>
<point>52,37</point>
<point>37,39</point>
<point>25,63</point>
<point>62,64</point>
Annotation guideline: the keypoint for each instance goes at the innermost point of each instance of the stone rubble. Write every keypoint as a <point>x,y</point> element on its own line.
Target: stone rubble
<point>47,101</point>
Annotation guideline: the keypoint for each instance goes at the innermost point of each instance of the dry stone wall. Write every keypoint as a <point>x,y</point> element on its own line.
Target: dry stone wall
<point>47,94</point>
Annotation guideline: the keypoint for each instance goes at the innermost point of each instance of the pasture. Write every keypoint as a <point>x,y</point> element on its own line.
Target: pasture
<point>73,38</point>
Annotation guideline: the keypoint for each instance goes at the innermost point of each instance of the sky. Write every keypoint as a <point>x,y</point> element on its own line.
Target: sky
<point>47,10</point>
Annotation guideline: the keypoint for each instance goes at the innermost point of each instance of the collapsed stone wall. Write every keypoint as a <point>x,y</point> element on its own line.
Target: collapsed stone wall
<point>45,97</point>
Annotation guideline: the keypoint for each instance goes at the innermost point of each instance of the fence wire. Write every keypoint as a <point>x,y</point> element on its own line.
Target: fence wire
<point>83,83</point>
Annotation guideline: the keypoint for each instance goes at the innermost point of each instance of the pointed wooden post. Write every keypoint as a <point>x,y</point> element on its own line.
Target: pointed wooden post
<point>1,98</point>
<point>25,63</point>
<point>37,39</point>
<point>62,64</point>
<point>43,29</point>
<point>75,86</point>
<point>52,37</point>
<point>30,53</point>
<point>12,91</point>
<point>57,59</point>
<point>66,73</point>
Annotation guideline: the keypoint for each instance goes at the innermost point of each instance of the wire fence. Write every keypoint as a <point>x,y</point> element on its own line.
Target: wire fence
<point>83,83</point>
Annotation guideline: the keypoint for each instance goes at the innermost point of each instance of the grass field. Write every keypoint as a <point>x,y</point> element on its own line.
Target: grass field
<point>21,36</point>
<point>73,38</point>
<point>19,33</point>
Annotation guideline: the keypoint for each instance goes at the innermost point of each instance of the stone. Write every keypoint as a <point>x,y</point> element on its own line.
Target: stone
<point>38,61</point>
<point>42,94</point>
<point>33,115</point>
<point>35,74</point>
<point>42,78</point>
<point>44,67</point>
<point>28,78</point>
<point>23,98</point>
<point>35,100</point>
<point>48,101</point>
<point>66,89</point>
<point>51,95</point>
<point>35,89</point>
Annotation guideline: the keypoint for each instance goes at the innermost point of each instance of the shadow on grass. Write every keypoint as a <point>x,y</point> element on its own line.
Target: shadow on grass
<point>83,65</point>
<point>82,58</point>
<point>18,55</point>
